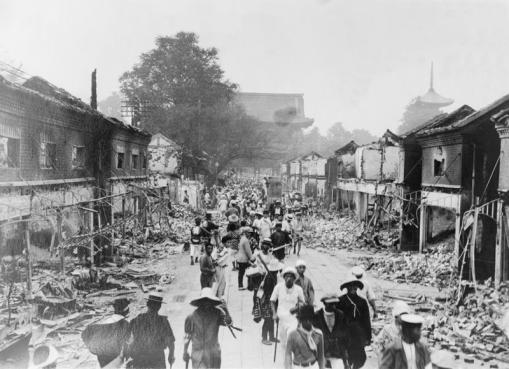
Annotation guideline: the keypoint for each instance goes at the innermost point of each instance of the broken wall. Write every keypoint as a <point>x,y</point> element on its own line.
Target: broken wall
<point>442,165</point>
<point>390,167</point>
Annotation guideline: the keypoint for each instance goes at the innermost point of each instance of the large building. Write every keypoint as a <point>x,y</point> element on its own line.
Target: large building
<point>282,115</point>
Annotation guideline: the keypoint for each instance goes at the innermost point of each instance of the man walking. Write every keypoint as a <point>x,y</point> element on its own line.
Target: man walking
<point>331,322</point>
<point>196,237</point>
<point>279,239</point>
<point>297,227</point>
<point>288,298</point>
<point>201,331</point>
<point>151,335</point>
<point>367,292</point>
<point>305,283</point>
<point>357,319</point>
<point>244,256</point>
<point>407,352</point>
<point>305,347</point>
<point>207,267</point>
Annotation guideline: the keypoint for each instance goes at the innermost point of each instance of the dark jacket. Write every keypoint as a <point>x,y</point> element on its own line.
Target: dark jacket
<point>335,341</point>
<point>394,357</point>
<point>279,238</point>
<point>357,318</point>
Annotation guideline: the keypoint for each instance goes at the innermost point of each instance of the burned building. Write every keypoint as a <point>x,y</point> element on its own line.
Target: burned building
<point>57,157</point>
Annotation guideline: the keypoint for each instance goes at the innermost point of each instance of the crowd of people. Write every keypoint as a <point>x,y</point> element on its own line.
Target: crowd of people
<point>253,238</point>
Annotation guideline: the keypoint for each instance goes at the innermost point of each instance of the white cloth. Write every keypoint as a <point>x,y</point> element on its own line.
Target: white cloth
<point>336,363</point>
<point>192,250</point>
<point>265,228</point>
<point>286,227</point>
<point>367,292</point>
<point>410,355</point>
<point>287,299</point>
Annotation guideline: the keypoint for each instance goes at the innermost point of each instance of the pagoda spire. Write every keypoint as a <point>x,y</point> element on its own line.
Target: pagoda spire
<point>431,78</point>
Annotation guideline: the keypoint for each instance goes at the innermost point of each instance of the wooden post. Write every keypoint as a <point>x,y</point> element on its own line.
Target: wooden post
<point>457,236</point>
<point>473,242</point>
<point>28,260</point>
<point>498,245</point>
<point>423,227</point>
<point>60,246</point>
<point>123,217</point>
<point>91,228</point>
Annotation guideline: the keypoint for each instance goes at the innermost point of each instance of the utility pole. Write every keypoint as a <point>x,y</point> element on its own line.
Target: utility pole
<point>93,97</point>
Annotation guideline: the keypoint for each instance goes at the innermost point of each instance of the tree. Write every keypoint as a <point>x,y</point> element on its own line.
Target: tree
<point>179,89</point>
<point>417,113</point>
<point>111,106</point>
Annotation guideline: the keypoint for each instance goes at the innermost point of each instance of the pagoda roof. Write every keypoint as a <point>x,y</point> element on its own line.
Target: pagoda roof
<point>432,97</point>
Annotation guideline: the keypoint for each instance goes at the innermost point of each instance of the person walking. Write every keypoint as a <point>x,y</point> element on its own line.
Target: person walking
<point>207,267</point>
<point>269,267</point>
<point>196,238</point>
<point>331,322</point>
<point>366,292</point>
<point>201,331</point>
<point>357,320</point>
<point>279,239</point>
<point>285,301</point>
<point>151,335</point>
<point>265,225</point>
<point>108,338</point>
<point>407,352</point>
<point>391,332</point>
<point>297,226</point>
<point>305,346</point>
<point>244,256</point>
<point>304,282</point>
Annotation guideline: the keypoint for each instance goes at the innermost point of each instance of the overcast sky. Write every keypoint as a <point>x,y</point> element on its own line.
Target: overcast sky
<point>356,61</point>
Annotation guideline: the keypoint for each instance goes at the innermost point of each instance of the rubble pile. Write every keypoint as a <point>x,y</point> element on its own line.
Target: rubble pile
<point>61,306</point>
<point>473,324</point>
<point>432,268</point>
<point>333,231</point>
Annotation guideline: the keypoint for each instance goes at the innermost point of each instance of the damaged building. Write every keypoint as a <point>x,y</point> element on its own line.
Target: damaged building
<point>66,168</point>
<point>366,179</point>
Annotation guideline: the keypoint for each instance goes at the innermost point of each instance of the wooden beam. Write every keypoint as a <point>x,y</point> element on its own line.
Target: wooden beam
<point>498,244</point>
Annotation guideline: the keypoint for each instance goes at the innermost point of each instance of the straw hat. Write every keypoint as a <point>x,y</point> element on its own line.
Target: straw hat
<point>156,297</point>
<point>330,298</point>
<point>206,294</point>
<point>412,319</point>
<point>290,270</point>
<point>233,218</point>
<point>351,281</point>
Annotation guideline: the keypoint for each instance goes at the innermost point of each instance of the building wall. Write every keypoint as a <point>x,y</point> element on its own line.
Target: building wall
<point>390,165</point>
<point>451,156</point>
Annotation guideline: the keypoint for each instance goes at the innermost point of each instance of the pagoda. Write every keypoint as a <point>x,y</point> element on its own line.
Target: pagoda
<point>423,108</point>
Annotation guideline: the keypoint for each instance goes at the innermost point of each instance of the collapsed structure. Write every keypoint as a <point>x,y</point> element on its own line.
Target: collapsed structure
<point>449,175</point>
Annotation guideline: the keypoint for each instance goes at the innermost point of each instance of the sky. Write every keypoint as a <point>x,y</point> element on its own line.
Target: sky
<point>358,61</point>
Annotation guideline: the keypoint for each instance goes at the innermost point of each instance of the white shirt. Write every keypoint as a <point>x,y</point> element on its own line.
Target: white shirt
<point>409,349</point>
<point>265,228</point>
<point>367,292</point>
<point>287,298</point>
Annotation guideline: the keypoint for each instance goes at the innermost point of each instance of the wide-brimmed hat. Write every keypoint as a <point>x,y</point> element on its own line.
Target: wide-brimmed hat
<point>330,298</point>
<point>290,270</point>
<point>306,312</point>
<point>43,356</point>
<point>358,271</point>
<point>156,297</point>
<point>259,213</point>
<point>206,294</point>
<point>251,213</point>
<point>352,281</point>
<point>443,359</point>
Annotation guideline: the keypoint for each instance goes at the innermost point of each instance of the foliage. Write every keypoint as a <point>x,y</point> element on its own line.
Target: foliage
<point>416,114</point>
<point>179,90</point>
